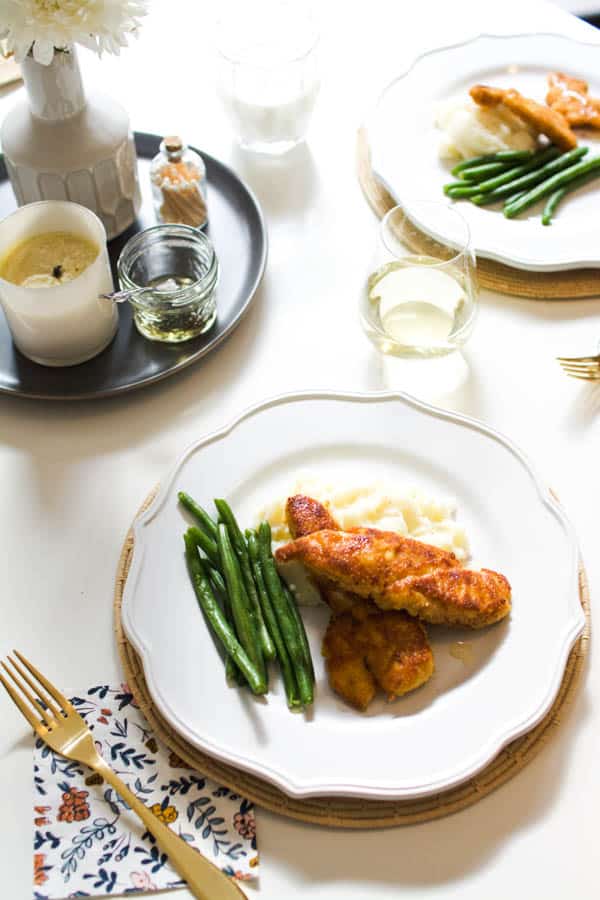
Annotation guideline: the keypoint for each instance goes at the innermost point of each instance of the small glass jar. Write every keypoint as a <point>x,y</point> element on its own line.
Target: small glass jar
<point>178,177</point>
<point>179,266</point>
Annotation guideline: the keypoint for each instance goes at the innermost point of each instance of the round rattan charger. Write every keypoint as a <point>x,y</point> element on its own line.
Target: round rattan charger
<point>341,811</point>
<point>564,285</point>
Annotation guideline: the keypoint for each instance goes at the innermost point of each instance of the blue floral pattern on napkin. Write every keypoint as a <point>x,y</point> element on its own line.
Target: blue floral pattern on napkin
<point>86,841</point>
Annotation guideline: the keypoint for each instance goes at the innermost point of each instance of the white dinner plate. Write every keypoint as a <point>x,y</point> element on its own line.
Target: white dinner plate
<point>431,739</point>
<point>405,145</point>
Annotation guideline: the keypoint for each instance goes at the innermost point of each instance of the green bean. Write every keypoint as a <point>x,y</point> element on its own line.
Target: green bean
<point>239,544</point>
<point>551,185</point>
<point>287,671</point>
<point>287,625</point>
<point>206,544</point>
<point>232,672</point>
<point>527,181</point>
<point>512,197</point>
<point>293,608</point>
<point>460,190</point>
<point>480,173</point>
<point>486,199</point>
<point>240,608</point>
<point>218,581</point>
<point>226,515</point>
<point>500,156</point>
<point>552,203</point>
<point>266,606</point>
<point>555,198</point>
<point>514,155</point>
<point>217,620</point>
<point>452,189</point>
<point>206,523</point>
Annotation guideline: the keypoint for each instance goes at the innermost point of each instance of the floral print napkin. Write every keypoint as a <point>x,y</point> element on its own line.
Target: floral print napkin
<point>86,843</point>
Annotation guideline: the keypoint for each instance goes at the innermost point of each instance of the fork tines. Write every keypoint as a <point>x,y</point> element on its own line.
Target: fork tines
<point>587,368</point>
<point>45,705</point>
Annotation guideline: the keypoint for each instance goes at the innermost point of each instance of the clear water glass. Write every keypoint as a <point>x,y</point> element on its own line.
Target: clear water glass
<point>420,297</point>
<point>268,72</point>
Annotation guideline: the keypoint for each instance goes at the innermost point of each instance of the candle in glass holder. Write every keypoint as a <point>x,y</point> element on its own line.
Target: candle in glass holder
<point>53,268</point>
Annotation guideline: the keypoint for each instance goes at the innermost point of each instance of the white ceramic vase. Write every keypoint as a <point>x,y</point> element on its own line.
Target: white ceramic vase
<point>59,144</point>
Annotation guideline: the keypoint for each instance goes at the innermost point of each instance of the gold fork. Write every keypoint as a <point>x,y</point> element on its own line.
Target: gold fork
<point>59,724</point>
<point>585,367</point>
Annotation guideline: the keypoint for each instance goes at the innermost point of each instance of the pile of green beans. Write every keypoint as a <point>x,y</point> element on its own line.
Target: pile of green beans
<point>248,606</point>
<point>519,178</point>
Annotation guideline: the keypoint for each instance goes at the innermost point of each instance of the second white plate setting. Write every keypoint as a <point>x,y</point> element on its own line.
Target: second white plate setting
<point>405,144</point>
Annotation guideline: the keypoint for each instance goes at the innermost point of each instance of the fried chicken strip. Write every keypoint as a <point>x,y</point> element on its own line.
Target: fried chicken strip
<point>305,515</point>
<point>364,648</point>
<point>347,670</point>
<point>571,98</point>
<point>386,649</point>
<point>400,573</point>
<point>545,120</point>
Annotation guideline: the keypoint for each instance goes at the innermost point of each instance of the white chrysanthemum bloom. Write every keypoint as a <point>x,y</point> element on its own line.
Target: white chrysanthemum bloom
<point>41,26</point>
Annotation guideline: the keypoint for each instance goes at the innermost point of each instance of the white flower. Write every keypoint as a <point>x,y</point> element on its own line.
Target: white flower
<point>44,25</point>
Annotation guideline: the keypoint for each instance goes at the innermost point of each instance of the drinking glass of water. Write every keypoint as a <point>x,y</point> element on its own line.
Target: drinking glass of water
<point>268,71</point>
<point>420,298</point>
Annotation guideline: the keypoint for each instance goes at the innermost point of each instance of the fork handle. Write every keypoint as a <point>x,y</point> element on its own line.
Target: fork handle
<point>204,880</point>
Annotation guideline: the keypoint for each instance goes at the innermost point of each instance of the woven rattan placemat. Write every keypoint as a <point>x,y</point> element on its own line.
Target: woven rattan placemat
<point>340,811</point>
<point>568,285</point>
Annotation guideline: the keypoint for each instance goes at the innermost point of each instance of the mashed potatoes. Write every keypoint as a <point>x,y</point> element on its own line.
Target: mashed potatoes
<point>407,511</point>
<point>470,130</point>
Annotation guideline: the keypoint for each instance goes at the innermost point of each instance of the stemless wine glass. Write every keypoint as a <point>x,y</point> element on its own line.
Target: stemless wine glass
<point>420,298</point>
<point>268,71</point>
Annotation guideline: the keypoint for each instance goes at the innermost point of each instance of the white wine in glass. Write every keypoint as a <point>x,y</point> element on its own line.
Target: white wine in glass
<point>417,304</point>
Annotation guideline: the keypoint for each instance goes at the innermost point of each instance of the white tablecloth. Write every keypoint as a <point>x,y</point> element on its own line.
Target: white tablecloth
<point>73,475</point>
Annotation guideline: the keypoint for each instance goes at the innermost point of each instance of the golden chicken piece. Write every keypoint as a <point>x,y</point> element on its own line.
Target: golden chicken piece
<point>364,647</point>
<point>545,120</point>
<point>387,649</point>
<point>400,573</point>
<point>345,662</point>
<point>571,98</point>
<point>305,515</point>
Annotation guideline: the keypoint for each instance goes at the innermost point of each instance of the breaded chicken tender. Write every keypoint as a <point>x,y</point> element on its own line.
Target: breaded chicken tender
<point>386,649</point>
<point>305,515</point>
<point>365,649</point>
<point>400,573</point>
<point>545,120</point>
<point>345,662</point>
<point>571,98</point>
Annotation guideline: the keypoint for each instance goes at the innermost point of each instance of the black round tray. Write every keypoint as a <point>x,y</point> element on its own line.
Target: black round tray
<point>238,232</point>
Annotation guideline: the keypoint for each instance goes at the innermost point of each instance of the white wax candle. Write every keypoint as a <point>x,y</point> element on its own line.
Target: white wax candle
<point>69,323</point>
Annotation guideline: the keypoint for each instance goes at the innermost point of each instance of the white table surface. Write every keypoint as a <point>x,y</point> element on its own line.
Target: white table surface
<point>72,476</point>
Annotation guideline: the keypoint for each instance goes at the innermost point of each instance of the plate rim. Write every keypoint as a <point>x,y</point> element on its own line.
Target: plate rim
<point>207,348</point>
<point>572,629</point>
<point>517,262</point>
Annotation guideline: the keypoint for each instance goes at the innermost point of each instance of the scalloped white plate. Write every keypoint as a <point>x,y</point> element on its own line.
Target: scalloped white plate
<point>404,139</point>
<point>433,738</point>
